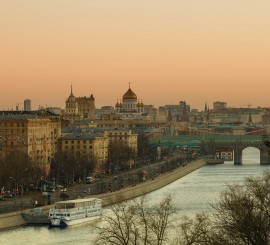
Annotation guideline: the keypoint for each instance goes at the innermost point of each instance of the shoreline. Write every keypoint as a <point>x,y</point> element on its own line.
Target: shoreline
<point>15,219</point>
<point>152,185</point>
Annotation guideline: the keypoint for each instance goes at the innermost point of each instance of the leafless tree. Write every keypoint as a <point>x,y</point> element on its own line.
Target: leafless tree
<point>18,167</point>
<point>136,222</point>
<point>120,153</point>
<point>242,216</point>
<point>199,231</point>
<point>243,212</point>
<point>69,167</point>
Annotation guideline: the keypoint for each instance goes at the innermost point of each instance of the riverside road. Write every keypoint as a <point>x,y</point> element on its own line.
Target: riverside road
<point>103,185</point>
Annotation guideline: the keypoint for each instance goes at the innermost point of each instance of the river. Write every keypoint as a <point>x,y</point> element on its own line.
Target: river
<point>192,193</point>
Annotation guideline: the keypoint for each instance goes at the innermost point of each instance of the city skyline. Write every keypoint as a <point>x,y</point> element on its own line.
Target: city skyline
<point>196,51</point>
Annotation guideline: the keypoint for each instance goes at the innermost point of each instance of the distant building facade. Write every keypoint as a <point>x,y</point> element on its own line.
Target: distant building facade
<point>27,105</point>
<point>35,136</point>
<point>114,134</point>
<point>218,105</point>
<point>130,107</point>
<point>90,146</point>
<point>107,109</point>
<point>126,136</point>
<point>54,110</point>
<point>79,108</point>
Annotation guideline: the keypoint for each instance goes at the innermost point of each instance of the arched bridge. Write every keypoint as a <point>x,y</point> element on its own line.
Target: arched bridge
<point>211,143</point>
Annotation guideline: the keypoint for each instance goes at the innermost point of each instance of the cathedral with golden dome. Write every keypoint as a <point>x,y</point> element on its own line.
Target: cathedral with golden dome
<point>129,107</point>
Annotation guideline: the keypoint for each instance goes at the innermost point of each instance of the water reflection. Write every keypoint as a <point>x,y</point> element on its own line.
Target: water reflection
<point>191,194</point>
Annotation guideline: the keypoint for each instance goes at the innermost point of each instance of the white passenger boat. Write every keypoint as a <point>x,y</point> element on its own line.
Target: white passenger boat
<point>72,212</point>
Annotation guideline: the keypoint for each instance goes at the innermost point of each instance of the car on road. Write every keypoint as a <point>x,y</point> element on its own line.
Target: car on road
<point>50,189</point>
<point>89,180</point>
<point>63,189</point>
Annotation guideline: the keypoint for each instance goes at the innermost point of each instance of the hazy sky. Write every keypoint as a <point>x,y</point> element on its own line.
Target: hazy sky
<point>170,50</point>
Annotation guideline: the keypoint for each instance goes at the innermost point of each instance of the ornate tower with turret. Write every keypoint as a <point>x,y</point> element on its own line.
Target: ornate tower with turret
<point>71,104</point>
<point>79,108</point>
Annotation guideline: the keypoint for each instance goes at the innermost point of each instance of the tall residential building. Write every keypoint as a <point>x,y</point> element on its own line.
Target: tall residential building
<point>185,110</point>
<point>79,108</point>
<point>27,105</point>
<point>33,135</point>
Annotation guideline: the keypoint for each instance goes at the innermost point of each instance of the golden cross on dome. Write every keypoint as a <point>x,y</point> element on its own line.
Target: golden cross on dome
<point>129,84</point>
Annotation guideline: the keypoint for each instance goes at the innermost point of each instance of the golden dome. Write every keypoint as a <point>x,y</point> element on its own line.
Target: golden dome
<point>117,104</point>
<point>129,95</point>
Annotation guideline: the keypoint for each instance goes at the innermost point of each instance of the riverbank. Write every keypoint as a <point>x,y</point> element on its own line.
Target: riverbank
<point>152,185</point>
<point>15,219</point>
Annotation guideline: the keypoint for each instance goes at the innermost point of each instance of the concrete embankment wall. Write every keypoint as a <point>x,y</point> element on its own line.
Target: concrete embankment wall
<point>152,185</point>
<point>15,219</point>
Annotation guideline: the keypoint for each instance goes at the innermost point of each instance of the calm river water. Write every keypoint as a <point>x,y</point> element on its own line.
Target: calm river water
<point>192,193</point>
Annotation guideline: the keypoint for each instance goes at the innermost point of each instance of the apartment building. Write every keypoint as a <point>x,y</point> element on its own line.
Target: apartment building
<point>36,136</point>
<point>86,146</point>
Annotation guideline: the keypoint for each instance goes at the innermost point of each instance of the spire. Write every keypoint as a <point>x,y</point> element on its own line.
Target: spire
<point>205,107</point>
<point>71,93</point>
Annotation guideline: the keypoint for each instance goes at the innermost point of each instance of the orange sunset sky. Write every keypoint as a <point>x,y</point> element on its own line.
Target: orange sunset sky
<point>199,51</point>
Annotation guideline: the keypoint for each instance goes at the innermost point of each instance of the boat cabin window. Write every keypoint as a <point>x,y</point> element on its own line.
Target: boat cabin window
<point>65,205</point>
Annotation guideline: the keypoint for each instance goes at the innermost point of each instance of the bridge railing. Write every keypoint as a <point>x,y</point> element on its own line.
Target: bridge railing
<point>198,139</point>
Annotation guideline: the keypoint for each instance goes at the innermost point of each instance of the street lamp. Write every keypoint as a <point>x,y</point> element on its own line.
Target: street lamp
<point>15,190</point>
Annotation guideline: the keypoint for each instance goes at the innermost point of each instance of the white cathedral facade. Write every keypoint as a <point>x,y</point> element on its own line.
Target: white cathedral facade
<point>130,107</point>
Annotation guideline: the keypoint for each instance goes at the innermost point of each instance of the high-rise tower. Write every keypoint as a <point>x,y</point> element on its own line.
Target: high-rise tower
<point>27,105</point>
